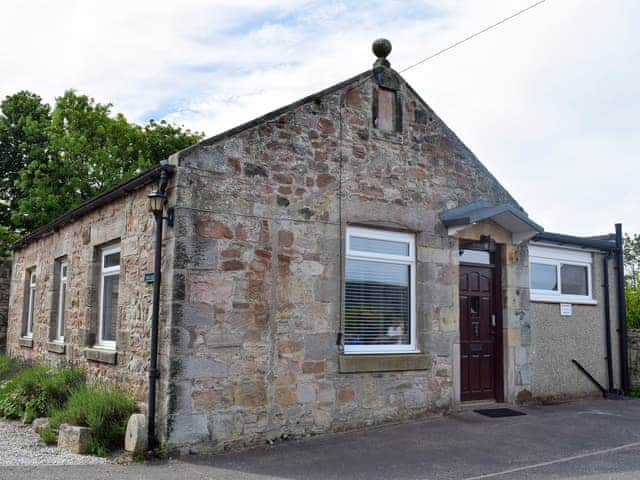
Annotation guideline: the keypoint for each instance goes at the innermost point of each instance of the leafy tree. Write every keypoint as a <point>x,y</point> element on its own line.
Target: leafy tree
<point>7,237</point>
<point>87,151</point>
<point>162,139</point>
<point>632,300</point>
<point>24,122</point>
<point>631,250</point>
<point>632,259</point>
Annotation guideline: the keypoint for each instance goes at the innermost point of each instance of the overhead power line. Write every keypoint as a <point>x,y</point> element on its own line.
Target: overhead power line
<point>506,19</point>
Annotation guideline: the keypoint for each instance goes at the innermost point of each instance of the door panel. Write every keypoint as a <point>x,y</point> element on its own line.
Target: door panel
<point>477,333</point>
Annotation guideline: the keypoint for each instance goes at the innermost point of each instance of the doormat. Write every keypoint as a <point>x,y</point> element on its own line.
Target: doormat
<point>499,412</point>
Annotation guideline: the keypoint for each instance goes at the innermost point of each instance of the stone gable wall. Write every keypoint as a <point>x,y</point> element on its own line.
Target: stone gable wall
<point>127,220</point>
<point>260,217</point>
<point>5,283</point>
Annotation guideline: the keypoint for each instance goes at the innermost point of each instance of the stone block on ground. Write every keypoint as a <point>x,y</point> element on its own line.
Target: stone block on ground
<point>39,423</point>
<point>135,439</point>
<point>74,439</point>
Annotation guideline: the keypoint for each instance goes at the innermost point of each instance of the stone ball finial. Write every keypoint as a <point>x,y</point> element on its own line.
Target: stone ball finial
<point>381,48</point>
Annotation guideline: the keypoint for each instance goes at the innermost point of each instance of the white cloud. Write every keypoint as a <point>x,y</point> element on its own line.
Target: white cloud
<point>547,101</point>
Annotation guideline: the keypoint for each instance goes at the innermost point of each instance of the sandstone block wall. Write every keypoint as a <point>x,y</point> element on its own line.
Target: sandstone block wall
<point>126,220</point>
<point>261,215</point>
<point>5,283</point>
<point>252,274</point>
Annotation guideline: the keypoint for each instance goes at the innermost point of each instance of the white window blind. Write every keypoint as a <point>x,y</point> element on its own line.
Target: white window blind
<point>379,313</point>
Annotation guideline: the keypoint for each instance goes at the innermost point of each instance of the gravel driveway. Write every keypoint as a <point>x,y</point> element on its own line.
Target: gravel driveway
<point>20,447</point>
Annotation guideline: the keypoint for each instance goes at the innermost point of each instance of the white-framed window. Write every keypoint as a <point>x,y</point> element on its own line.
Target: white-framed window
<point>560,275</point>
<point>30,304</point>
<point>379,304</point>
<point>63,272</point>
<point>109,286</point>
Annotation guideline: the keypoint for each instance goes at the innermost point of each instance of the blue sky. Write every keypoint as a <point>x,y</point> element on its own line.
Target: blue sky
<point>548,101</point>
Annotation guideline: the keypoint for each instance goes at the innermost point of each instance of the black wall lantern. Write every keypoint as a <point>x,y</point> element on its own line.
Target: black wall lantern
<point>485,244</point>
<point>157,203</point>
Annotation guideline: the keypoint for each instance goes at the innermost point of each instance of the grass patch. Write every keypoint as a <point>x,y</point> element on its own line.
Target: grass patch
<point>635,392</point>
<point>8,367</point>
<point>35,391</point>
<point>104,409</point>
<point>49,435</point>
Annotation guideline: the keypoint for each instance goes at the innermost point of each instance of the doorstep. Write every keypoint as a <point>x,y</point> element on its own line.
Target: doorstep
<point>475,404</point>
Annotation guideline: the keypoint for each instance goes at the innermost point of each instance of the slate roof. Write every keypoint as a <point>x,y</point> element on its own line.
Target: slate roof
<point>505,215</point>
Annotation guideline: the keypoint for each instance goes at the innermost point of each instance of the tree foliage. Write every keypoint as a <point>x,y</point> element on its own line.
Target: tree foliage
<point>632,276</point>
<point>52,160</point>
<point>24,123</point>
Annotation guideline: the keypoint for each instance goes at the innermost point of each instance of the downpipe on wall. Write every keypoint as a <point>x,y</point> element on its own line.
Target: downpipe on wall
<point>622,309</point>
<point>607,319</point>
<point>158,200</point>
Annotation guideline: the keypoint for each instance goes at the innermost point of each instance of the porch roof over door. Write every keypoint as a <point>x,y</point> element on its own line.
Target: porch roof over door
<point>507,216</point>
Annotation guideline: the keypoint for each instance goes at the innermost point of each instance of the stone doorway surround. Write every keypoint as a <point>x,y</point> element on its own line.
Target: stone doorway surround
<point>516,327</point>
<point>511,229</point>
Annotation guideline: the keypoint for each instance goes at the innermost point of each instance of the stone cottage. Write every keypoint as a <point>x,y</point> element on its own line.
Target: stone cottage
<point>340,262</point>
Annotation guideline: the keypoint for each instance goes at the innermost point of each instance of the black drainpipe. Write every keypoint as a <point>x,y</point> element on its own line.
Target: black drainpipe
<point>607,318</point>
<point>622,317</point>
<point>155,310</point>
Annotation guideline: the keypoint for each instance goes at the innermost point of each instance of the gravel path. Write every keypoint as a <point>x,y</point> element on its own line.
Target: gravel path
<point>20,446</point>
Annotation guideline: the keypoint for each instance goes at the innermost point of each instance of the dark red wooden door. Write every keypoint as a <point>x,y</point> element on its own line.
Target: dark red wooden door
<point>477,333</point>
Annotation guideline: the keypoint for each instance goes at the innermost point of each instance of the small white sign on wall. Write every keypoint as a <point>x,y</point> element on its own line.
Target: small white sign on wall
<point>565,309</point>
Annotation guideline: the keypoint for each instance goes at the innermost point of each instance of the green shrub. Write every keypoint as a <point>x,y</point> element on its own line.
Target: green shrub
<point>8,367</point>
<point>104,409</point>
<point>38,390</point>
<point>49,435</point>
<point>632,298</point>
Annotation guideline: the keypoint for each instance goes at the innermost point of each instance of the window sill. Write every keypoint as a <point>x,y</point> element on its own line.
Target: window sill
<point>550,299</point>
<point>101,355</point>
<point>392,137</point>
<point>397,362</point>
<point>56,347</point>
<point>25,342</point>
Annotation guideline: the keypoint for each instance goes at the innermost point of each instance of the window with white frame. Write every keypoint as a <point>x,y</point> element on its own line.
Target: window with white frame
<point>62,300</point>
<point>30,305</point>
<point>560,275</point>
<point>109,285</point>
<point>379,305</point>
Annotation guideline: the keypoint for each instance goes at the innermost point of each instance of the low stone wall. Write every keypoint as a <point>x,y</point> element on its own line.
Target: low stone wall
<point>634,356</point>
<point>5,280</point>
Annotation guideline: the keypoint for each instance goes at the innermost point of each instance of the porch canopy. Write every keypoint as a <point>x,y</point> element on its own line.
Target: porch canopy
<point>507,216</point>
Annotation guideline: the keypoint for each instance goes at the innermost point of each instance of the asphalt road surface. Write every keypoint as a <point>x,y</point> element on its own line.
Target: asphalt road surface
<point>587,440</point>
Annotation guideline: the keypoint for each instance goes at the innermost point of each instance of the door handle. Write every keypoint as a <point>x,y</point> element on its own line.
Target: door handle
<point>493,321</point>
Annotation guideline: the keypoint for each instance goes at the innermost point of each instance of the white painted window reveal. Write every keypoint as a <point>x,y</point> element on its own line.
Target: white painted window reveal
<point>109,286</point>
<point>62,297</point>
<point>31,305</point>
